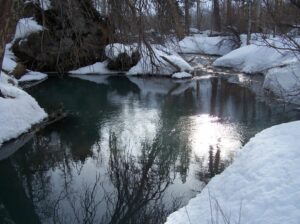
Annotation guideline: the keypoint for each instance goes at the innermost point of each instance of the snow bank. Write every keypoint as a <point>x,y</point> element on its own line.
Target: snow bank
<point>261,186</point>
<point>25,27</point>
<point>18,112</point>
<point>33,76</point>
<point>259,56</point>
<point>284,82</point>
<point>181,75</point>
<point>254,59</point>
<point>160,61</point>
<point>5,79</point>
<point>97,68</point>
<point>202,44</point>
<point>9,59</point>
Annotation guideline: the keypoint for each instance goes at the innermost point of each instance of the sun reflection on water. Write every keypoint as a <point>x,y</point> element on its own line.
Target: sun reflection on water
<point>210,131</point>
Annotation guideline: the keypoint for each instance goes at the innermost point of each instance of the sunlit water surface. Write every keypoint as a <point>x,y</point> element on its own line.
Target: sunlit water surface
<point>132,150</point>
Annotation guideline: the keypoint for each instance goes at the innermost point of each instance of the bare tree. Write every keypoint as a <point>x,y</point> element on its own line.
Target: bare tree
<point>216,16</point>
<point>249,21</point>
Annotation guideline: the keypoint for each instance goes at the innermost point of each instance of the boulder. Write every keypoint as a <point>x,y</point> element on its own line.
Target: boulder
<point>73,37</point>
<point>124,62</point>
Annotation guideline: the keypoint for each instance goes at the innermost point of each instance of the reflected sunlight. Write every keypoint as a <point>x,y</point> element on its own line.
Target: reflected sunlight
<point>209,131</point>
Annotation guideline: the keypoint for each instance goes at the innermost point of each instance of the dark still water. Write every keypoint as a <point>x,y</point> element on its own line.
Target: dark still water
<point>132,150</point>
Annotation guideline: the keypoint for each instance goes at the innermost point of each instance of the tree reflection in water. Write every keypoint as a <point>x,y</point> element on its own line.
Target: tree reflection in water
<point>139,185</point>
<point>208,168</point>
<point>76,172</point>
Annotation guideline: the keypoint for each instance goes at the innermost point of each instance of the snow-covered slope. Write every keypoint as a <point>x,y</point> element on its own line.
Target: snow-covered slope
<point>285,82</point>
<point>202,44</point>
<point>261,186</point>
<point>33,76</point>
<point>18,111</point>
<point>254,59</point>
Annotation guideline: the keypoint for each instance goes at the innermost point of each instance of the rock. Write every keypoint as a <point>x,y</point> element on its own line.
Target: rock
<point>72,38</point>
<point>124,62</point>
<point>18,71</point>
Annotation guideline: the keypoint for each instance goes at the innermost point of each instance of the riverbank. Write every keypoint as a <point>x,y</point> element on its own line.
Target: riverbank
<point>261,186</point>
<point>18,110</point>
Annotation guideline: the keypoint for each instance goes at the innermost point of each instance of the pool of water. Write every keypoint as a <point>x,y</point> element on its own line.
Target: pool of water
<point>132,150</point>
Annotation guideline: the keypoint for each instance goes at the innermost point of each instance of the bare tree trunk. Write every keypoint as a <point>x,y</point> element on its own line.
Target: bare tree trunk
<point>6,25</point>
<point>216,16</point>
<point>276,7</point>
<point>257,15</point>
<point>198,16</point>
<point>249,22</point>
<point>228,13</point>
<point>187,16</point>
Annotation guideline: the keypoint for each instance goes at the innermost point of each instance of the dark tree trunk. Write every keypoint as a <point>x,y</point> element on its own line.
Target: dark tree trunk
<point>7,25</point>
<point>198,15</point>
<point>216,16</point>
<point>187,16</point>
<point>228,13</point>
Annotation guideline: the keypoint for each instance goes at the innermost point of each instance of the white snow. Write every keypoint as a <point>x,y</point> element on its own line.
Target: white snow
<point>261,186</point>
<point>112,51</point>
<point>254,59</point>
<point>259,56</point>
<point>5,79</point>
<point>9,59</point>
<point>18,111</point>
<point>97,68</point>
<point>156,62</point>
<point>284,82</point>
<point>202,44</point>
<point>33,76</point>
<point>181,75</point>
<point>25,27</point>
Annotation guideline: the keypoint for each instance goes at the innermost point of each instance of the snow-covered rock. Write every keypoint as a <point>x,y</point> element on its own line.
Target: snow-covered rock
<point>202,44</point>
<point>18,112</point>
<point>25,27</point>
<point>33,76</point>
<point>181,75</point>
<point>97,68</point>
<point>112,51</point>
<point>284,82</point>
<point>159,61</point>
<point>261,186</point>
